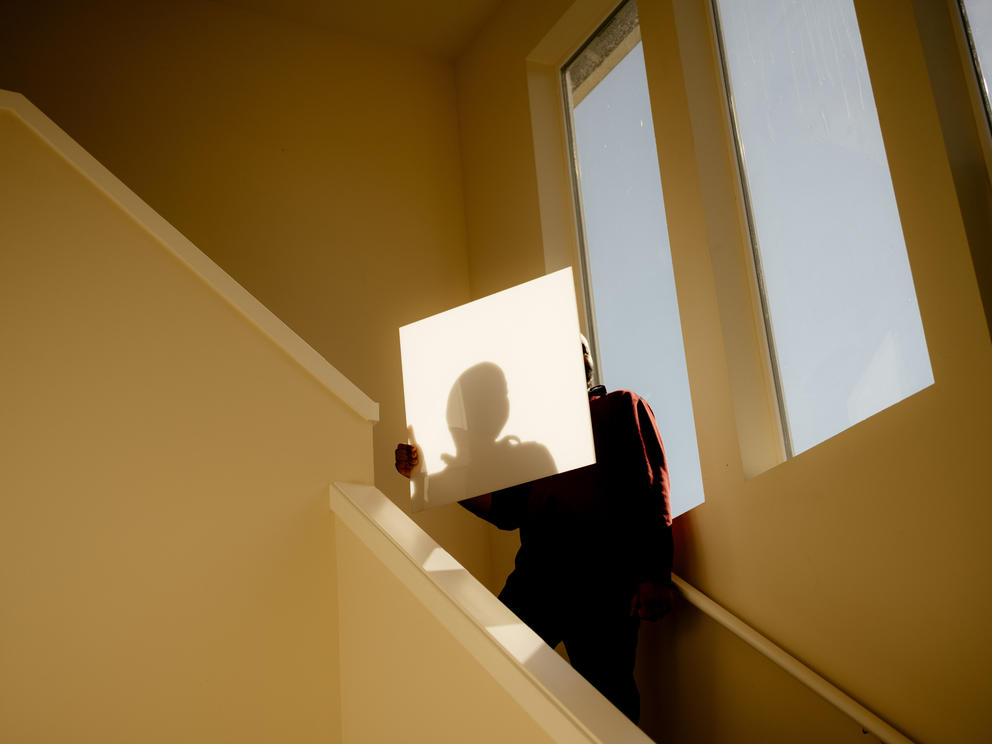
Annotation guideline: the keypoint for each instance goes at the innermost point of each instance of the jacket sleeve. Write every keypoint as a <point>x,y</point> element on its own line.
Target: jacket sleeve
<point>652,518</point>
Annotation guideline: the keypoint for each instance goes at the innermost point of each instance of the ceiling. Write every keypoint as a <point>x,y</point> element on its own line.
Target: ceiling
<point>440,28</point>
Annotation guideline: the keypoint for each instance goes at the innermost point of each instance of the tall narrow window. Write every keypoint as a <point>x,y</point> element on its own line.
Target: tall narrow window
<point>977,16</point>
<point>627,264</point>
<point>839,300</point>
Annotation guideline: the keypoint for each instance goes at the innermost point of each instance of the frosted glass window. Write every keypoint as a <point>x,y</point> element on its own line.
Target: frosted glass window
<point>629,283</point>
<point>839,298</point>
<point>978,21</point>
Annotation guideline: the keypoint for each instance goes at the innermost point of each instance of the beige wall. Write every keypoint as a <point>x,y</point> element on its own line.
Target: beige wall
<point>321,171</point>
<point>167,560</point>
<point>501,189</point>
<point>324,174</point>
<point>965,127</point>
<point>405,678</point>
<point>710,687</point>
<point>866,556</point>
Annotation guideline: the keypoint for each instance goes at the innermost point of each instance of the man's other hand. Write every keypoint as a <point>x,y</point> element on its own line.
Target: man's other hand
<point>651,601</point>
<point>407,458</point>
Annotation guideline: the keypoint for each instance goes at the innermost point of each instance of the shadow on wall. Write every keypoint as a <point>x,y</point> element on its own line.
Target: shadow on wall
<point>477,412</point>
<point>700,684</point>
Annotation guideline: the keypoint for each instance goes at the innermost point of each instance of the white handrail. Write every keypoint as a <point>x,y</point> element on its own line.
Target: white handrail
<point>465,607</point>
<point>556,697</point>
<point>829,692</point>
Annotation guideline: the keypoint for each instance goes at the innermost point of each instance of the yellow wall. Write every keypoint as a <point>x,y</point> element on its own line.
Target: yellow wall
<point>405,678</point>
<point>325,175</point>
<point>965,127</point>
<point>501,190</point>
<point>866,556</point>
<point>706,686</point>
<point>167,561</point>
<point>320,171</point>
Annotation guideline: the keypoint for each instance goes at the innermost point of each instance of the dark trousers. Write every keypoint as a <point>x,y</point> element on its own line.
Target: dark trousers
<point>599,635</point>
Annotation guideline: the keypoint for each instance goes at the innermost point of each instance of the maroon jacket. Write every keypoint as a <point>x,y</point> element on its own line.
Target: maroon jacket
<point>602,527</point>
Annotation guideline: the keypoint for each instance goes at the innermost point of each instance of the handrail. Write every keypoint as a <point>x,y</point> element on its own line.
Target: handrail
<point>194,259</point>
<point>483,624</point>
<point>829,692</point>
<point>556,697</point>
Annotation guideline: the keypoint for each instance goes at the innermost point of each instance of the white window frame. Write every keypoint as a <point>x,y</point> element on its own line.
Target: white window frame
<point>727,350</point>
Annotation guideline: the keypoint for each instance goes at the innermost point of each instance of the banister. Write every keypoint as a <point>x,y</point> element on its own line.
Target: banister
<point>776,654</point>
<point>556,697</point>
<point>482,623</point>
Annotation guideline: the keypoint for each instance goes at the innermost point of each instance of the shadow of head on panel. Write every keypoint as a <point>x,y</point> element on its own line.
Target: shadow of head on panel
<point>477,413</point>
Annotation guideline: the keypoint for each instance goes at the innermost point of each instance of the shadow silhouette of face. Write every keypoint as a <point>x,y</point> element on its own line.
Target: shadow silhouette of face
<point>478,405</point>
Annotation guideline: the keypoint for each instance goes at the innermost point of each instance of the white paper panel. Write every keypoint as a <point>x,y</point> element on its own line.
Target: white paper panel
<point>495,392</point>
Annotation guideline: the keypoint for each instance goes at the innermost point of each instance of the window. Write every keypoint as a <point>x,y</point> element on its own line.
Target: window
<point>627,267</point>
<point>839,303</point>
<point>977,15</point>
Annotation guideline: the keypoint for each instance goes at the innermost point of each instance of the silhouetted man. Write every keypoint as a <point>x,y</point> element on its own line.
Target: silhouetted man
<point>595,543</point>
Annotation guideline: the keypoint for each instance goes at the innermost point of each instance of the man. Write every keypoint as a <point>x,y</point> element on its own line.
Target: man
<point>595,543</point>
